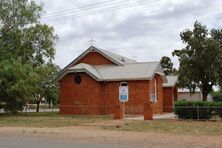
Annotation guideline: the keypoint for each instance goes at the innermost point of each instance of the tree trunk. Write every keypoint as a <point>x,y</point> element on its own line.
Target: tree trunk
<point>37,106</point>
<point>204,97</point>
<point>38,100</point>
<point>49,105</point>
<point>206,89</point>
<point>204,94</point>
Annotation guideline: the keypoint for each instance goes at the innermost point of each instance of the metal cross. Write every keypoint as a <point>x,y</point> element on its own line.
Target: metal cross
<point>91,41</point>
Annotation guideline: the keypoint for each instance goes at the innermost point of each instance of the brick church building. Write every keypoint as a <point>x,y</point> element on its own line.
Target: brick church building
<point>90,85</point>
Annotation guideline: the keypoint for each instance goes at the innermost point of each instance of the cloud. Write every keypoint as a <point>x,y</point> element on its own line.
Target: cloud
<point>147,32</point>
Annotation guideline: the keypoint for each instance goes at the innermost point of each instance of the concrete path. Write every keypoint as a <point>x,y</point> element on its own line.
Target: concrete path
<point>155,116</point>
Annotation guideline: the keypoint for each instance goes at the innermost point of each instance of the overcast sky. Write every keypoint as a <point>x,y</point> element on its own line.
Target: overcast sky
<point>146,32</point>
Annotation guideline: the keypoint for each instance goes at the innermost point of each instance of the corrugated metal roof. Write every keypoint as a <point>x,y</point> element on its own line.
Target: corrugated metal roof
<point>134,71</point>
<point>82,67</point>
<point>171,81</point>
<point>115,58</point>
<point>121,59</point>
<point>126,68</point>
<point>186,90</point>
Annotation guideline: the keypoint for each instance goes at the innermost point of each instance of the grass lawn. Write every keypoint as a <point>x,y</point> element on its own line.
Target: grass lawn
<point>171,126</point>
<point>46,119</point>
<point>54,119</point>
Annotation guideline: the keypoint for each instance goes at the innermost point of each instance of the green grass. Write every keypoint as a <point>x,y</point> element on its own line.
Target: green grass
<point>46,120</point>
<point>172,127</point>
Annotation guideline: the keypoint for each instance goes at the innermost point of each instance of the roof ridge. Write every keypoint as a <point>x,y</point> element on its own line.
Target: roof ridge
<point>142,62</point>
<point>109,52</point>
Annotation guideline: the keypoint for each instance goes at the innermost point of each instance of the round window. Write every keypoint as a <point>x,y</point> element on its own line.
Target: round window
<point>77,79</point>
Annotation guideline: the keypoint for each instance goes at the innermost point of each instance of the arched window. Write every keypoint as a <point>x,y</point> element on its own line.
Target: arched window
<point>123,84</point>
<point>155,90</point>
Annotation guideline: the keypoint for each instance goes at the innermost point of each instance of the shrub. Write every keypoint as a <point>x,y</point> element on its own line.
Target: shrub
<point>217,99</point>
<point>217,96</point>
<point>193,109</point>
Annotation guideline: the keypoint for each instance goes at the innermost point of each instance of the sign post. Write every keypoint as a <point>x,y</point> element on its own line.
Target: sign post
<point>123,96</point>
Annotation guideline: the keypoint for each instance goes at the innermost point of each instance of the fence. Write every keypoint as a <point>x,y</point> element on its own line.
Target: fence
<point>199,112</point>
<point>182,112</point>
<point>32,108</point>
<point>196,113</point>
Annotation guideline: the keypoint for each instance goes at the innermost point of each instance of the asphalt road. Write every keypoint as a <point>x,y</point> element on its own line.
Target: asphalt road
<point>31,142</point>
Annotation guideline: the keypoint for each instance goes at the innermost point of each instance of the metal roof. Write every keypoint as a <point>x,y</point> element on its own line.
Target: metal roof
<point>134,71</point>
<point>121,59</point>
<point>115,58</point>
<point>186,90</point>
<point>171,81</point>
<point>126,69</point>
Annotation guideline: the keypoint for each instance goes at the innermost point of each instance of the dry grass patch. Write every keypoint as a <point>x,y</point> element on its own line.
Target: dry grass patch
<point>46,120</point>
<point>171,126</point>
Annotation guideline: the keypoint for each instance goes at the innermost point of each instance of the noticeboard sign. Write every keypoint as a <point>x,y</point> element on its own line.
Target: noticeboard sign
<point>123,93</point>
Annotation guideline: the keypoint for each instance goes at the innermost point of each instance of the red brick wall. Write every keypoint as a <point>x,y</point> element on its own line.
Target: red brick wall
<point>95,58</point>
<point>92,97</point>
<point>75,96</point>
<point>138,95</point>
<point>158,106</point>
<point>175,93</point>
<point>168,96</point>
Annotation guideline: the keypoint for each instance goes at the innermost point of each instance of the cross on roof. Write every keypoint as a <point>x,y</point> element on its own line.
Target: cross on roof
<point>91,41</point>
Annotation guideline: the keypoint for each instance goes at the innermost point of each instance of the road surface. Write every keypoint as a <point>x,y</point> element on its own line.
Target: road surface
<point>30,142</point>
<point>91,136</point>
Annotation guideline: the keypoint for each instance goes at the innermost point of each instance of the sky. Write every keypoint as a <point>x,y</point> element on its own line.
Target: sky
<point>144,32</point>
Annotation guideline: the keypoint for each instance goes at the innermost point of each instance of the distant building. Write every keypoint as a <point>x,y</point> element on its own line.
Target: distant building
<point>185,94</point>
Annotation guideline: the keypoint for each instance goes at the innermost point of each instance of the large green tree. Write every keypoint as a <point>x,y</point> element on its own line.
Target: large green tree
<point>15,84</point>
<point>22,35</point>
<point>45,85</point>
<point>23,40</point>
<point>167,66</point>
<point>201,59</point>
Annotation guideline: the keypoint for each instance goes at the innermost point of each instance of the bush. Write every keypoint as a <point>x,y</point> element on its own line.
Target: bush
<point>193,109</point>
<point>217,99</point>
<point>217,96</point>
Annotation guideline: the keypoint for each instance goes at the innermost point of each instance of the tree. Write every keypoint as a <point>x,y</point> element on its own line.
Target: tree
<point>167,66</point>
<point>201,59</point>
<point>51,90</point>
<point>16,84</point>
<point>44,84</point>
<point>22,35</point>
<point>25,40</point>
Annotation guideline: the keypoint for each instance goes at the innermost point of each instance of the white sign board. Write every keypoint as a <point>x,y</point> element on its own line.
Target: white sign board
<point>123,94</point>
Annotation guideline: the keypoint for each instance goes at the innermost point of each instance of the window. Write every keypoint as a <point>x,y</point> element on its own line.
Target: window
<point>77,79</point>
<point>153,90</point>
